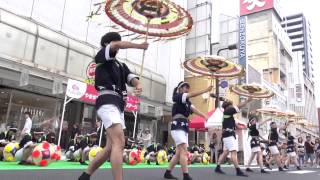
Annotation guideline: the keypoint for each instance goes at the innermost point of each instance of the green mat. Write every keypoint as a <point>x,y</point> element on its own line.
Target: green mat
<point>64,165</point>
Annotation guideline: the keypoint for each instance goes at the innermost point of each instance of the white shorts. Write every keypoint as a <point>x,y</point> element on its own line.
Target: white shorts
<point>230,143</point>
<point>110,114</point>
<point>256,149</point>
<point>179,137</point>
<point>274,150</point>
<point>292,154</point>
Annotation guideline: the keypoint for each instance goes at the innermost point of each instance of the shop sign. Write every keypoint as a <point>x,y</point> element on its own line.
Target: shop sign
<point>132,103</point>
<point>90,72</point>
<point>88,93</point>
<point>243,43</point>
<point>76,89</point>
<point>253,6</point>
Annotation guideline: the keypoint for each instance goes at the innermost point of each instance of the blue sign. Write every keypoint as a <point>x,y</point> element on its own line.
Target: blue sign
<point>224,84</point>
<point>243,42</point>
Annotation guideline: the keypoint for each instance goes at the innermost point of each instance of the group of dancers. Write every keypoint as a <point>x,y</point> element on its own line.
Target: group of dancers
<point>111,78</point>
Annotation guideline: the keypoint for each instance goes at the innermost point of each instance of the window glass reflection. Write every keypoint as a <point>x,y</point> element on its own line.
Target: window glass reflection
<point>17,44</point>
<point>77,64</point>
<point>50,55</point>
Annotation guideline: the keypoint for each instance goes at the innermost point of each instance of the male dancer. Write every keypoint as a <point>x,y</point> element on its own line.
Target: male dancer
<point>255,143</point>
<point>111,78</point>
<point>181,110</point>
<point>229,135</point>
<point>273,144</point>
<point>291,152</point>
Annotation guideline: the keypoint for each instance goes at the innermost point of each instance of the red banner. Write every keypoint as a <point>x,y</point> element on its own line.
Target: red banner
<point>253,6</point>
<point>132,103</point>
<point>91,95</point>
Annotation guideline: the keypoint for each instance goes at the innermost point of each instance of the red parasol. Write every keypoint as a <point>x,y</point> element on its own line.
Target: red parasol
<point>156,18</point>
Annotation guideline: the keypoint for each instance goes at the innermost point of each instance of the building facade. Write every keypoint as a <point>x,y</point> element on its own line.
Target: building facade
<point>303,89</point>
<point>298,28</point>
<point>40,51</point>
<point>197,44</point>
<point>271,51</point>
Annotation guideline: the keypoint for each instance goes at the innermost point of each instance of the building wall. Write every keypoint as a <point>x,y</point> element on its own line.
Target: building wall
<point>298,28</point>
<point>270,54</point>
<point>52,47</point>
<point>70,18</point>
<point>199,39</point>
<point>302,91</point>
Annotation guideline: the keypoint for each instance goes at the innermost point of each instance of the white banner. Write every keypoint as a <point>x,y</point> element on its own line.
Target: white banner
<point>76,89</point>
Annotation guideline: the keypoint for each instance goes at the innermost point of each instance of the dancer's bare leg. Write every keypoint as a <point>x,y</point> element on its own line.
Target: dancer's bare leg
<point>175,159</point>
<point>183,157</point>
<point>223,156</point>
<point>253,155</point>
<point>116,135</point>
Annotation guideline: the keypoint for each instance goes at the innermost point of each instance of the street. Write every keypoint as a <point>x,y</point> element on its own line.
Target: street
<point>156,174</point>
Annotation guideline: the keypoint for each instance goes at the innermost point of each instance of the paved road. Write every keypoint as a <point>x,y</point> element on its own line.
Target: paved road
<point>156,174</point>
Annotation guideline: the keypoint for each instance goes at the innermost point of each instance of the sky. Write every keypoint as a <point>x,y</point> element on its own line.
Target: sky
<point>309,8</point>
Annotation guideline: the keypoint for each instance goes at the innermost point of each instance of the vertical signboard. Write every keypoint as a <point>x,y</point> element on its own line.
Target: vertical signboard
<point>243,44</point>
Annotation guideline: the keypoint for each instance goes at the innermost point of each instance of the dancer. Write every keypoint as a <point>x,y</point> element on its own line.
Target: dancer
<point>229,136</point>
<point>255,143</point>
<point>273,144</point>
<point>181,110</point>
<point>111,77</point>
<point>291,152</point>
<point>301,151</point>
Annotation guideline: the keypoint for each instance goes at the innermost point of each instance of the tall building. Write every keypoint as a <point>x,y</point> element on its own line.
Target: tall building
<point>298,29</point>
<point>198,43</point>
<point>266,47</point>
<point>303,89</point>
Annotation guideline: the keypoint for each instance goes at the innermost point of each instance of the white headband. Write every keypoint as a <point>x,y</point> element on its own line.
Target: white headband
<point>182,84</point>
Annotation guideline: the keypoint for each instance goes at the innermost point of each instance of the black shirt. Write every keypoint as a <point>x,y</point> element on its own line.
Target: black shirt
<point>82,144</point>
<point>229,123</point>
<point>309,148</point>
<point>290,145</point>
<point>171,150</point>
<point>274,136</point>
<point>181,106</point>
<point>253,130</point>
<point>111,75</point>
<point>154,148</point>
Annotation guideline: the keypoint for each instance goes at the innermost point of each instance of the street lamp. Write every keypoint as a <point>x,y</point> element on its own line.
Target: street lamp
<point>230,47</point>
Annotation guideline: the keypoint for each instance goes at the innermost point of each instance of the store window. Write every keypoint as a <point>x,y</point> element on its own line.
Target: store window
<point>44,110</point>
<point>89,118</point>
<point>18,44</point>
<point>77,64</point>
<point>50,55</point>
<point>4,102</point>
